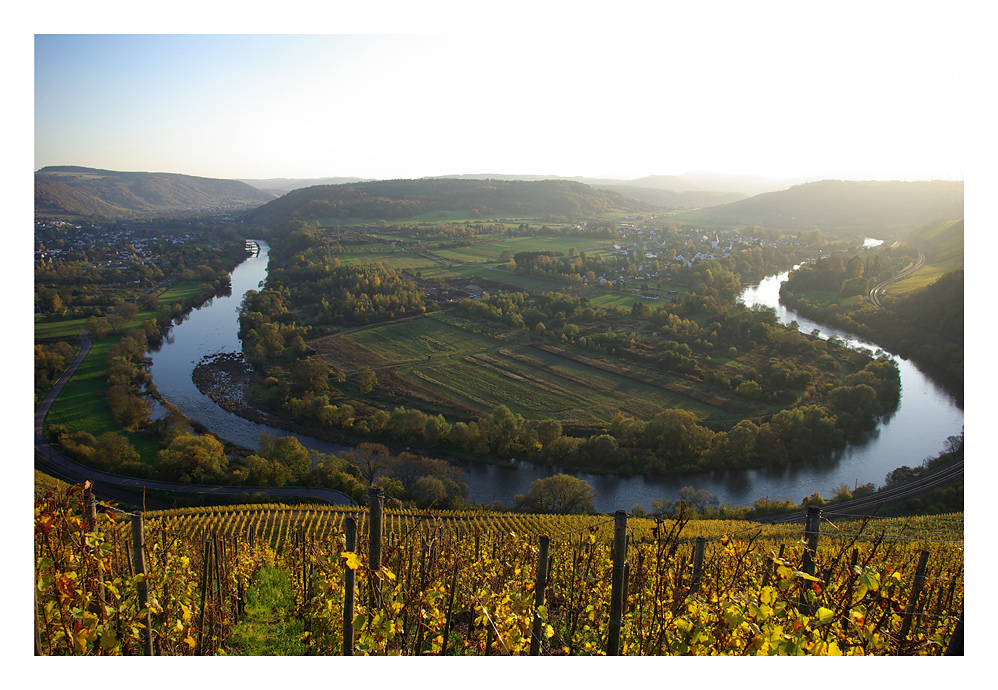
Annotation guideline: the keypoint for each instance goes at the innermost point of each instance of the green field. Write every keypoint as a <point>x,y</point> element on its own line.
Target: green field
<point>490,273</point>
<point>80,405</point>
<point>69,329</point>
<point>492,251</point>
<point>358,254</point>
<point>465,367</point>
<point>943,244</point>
<point>617,299</point>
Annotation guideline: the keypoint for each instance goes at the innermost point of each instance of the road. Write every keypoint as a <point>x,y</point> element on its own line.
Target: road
<point>110,486</point>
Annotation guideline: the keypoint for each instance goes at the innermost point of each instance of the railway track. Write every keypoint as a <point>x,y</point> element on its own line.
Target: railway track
<point>880,289</point>
<point>895,494</point>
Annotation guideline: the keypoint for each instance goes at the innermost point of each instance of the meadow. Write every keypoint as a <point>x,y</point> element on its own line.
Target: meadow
<point>80,406</point>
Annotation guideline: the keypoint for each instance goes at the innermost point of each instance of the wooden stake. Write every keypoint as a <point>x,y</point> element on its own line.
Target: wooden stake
<point>540,583</point>
<point>698,549</point>
<point>348,589</point>
<point>916,589</point>
<point>811,527</point>
<point>139,557</point>
<point>617,582</point>
<point>377,496</point>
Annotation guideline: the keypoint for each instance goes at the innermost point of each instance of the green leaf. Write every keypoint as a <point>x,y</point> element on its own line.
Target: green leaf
<point>870,580</point>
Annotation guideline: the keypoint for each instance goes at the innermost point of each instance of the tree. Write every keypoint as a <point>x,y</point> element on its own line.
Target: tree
<point>289,452</point>
<point>371,459</point>
<point>697,498</point>
<point>193,459</point>
<point>114,451</point>
<point>367,379</point>
<point>97,328</point>
<point>310,374</point>
<point>128,311</point>
<point>560,493</point>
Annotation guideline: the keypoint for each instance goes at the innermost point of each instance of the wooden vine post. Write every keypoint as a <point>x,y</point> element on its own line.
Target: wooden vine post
<point>955,647</point>
<point>617,582</point>
<point>376,502</point>
<point>811,527</point>
<point>139,558</point>
<point>349,578</point>
<point>916,589</point>
<point>698,549</point>
<point>90,505</point>
<point>540,585</point>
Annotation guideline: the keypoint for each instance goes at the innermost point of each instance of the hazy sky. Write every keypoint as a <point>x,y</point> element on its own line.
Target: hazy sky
<point>859,91</point>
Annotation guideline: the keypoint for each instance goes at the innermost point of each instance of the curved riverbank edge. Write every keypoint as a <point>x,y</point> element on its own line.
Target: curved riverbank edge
<point>226,378</point>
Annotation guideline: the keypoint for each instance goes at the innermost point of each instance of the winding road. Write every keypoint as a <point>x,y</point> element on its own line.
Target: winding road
<point>115,487</point>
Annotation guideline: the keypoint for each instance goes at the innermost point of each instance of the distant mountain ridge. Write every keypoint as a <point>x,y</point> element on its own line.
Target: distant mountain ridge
<point>398,199</point>
<point>289,184</point>
<point>81,191</point>
<point>843,204</point>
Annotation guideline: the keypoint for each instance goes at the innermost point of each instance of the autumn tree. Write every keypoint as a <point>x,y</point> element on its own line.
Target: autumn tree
<point>193,459</point>
<point>560,493</point>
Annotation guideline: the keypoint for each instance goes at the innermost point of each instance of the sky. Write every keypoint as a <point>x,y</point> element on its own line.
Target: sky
<point>843,90</point>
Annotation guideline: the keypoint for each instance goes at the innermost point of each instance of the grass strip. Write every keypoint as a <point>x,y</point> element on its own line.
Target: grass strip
<point>268,628</point>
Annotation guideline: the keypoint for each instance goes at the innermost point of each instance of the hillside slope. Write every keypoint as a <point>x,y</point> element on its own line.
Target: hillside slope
<point>398,199</point>
<point>844,204</point>
<point>77,191</point>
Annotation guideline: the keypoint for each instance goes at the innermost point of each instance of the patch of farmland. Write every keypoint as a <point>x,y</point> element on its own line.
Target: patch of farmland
<point>421,338</point>
<point>347,354</point>
<point>355,255</point>
<point>610,392</point>
<point>702,403</point>
<point>465,255</point>
<point>487,389</point>
<point>391,381</point>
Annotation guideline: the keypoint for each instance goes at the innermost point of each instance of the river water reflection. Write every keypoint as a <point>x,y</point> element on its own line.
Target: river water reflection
<point>926,417</point>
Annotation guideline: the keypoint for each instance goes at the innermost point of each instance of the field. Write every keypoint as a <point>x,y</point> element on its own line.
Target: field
<point>466,583</point>
<point>944,248</point>
<point>458,366</point>
<point>491,251</point>
<point>81,406</point>
<point>357,254</point>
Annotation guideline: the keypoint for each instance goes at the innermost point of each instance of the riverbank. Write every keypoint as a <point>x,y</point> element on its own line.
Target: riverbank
<point>227,377</point>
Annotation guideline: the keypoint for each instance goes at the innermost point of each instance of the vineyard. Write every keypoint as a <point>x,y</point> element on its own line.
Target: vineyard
<point>388,581</point>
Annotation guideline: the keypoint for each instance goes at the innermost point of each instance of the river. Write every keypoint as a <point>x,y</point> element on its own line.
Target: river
<point>926,417</point>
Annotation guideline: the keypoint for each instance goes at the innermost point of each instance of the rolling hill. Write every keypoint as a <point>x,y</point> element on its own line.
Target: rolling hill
<point>843,204</point>
<point>399,199</point>
<point>78,191</point>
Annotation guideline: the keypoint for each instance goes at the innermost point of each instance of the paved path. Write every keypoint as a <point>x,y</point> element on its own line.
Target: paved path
<point>110,486</point>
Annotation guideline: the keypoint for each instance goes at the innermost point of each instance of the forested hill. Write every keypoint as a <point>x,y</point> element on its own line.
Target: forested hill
<point>76,191</point>
<point>398,199</point>
<point>844,204</point>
